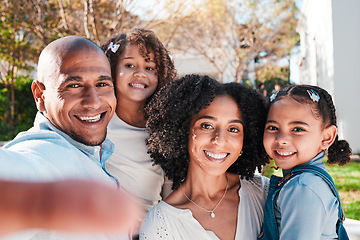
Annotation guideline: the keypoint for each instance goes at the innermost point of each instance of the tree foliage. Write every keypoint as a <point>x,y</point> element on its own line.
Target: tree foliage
<point>230,34</point>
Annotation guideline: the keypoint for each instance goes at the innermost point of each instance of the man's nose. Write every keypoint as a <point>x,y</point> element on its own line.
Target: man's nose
<point>91,98</point>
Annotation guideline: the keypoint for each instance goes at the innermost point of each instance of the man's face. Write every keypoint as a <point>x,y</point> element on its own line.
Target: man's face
<point>79,96</point>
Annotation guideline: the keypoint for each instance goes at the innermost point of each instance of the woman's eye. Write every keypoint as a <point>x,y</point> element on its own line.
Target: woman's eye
<point>149,68</point>
<point>206,126</point>
<point>130,65</point>
<point>234,130</point>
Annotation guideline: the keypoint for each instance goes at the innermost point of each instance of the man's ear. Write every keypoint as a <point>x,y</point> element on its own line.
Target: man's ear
<point>38,89</point>
<point>329,135</point>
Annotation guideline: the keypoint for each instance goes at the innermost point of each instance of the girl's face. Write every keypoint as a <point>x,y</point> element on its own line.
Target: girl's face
<point>216,136</point>
<point>292,134</point>
<point>136,79</point>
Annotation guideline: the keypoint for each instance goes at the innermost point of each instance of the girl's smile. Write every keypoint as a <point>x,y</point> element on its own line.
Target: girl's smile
<point>293,135</point>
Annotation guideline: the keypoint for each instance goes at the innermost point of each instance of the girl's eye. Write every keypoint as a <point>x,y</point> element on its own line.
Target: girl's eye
<point>206,126</point>
<point>150,68</point>
<point>271,128</point>
<point>129,65</point>
<point>234,130</point>
<point>298,129</point>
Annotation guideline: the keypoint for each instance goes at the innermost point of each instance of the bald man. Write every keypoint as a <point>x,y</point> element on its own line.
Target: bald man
<point>74,94</point>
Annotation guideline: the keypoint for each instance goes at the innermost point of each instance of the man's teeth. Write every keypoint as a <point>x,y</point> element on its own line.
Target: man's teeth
<point>91,119</point>
<point>216,156</point>
<point>138,85</point>
<point>285,153</point>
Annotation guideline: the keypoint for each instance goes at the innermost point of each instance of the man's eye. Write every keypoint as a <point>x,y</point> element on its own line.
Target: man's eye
<point>73,85</point>
<point>102,84</point>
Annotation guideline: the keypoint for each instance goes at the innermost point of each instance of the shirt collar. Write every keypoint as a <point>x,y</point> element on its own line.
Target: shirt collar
<point>318,161</point>
<point>107,147</point>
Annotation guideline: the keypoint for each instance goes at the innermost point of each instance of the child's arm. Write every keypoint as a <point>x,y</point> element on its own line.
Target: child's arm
<point>308,209</point>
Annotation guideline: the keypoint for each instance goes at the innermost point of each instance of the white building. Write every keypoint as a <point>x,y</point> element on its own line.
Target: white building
<point>330,58</point>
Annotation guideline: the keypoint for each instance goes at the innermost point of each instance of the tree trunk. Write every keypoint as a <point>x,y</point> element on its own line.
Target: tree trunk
<point>94,27</point>
<point>86,18</point>
<point>62,14</point>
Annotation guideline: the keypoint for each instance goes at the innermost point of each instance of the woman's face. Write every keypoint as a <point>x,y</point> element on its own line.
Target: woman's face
<point>216,136</point>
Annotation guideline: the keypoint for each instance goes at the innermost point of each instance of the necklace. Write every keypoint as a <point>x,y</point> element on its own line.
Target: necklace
<point>212,214</point>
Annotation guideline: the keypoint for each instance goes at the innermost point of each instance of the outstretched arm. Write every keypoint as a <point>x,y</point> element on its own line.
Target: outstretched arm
<point>68,205</point>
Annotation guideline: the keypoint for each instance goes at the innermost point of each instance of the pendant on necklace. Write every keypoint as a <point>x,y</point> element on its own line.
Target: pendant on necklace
<point>212,214</point>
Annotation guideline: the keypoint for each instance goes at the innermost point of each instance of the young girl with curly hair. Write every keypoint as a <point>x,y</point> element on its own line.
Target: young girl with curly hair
<point>140,66</point>
<point>207,136</point>
<point>304,204</point>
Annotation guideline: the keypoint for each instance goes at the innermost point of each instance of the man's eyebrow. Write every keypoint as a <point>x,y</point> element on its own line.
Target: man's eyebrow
<point>73,78</point>
<point>105,77</point>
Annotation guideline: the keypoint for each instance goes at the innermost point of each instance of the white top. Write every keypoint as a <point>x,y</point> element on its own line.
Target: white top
<point>131,164</point>
<point>166,222</point>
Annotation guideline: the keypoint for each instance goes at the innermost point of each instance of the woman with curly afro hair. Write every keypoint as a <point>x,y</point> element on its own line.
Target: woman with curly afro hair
<point>140,66</point>
<point>207,136</point>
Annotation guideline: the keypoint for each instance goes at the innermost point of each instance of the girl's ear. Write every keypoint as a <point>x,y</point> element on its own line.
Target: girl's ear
<point>329,135</point>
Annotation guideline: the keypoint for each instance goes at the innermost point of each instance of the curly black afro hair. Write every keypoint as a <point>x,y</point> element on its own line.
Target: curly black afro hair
<point>147,42</point>
<point>170,113</point>
<point>339,152</point>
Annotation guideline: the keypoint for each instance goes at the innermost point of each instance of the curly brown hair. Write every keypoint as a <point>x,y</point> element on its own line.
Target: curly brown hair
<point>339,152</point>
<point>172,109</point>
<point>147,42</point>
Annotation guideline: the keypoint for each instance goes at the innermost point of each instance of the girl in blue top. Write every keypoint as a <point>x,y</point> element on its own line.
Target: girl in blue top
<point>300,128</point>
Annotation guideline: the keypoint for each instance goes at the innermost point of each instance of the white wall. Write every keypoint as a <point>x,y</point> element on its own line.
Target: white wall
<point>330,51</point>
<point>346,30</point>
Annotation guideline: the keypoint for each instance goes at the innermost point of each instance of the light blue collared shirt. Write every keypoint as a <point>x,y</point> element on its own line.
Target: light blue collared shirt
<point>44,153</point>
<point>306,207</point>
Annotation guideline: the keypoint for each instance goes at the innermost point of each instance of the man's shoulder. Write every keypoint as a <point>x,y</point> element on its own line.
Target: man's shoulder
<point>35,137</point>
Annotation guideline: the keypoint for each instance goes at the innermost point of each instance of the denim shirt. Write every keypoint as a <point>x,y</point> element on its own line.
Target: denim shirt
<point>45,153</point>
<point>306,207</point>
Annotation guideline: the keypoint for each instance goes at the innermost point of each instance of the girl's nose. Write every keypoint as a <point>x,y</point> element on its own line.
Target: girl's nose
<point>281,139</point>
<point>139,74</point>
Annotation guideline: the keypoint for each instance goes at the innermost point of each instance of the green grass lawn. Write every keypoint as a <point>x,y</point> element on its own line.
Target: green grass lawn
<point>347,181</point>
